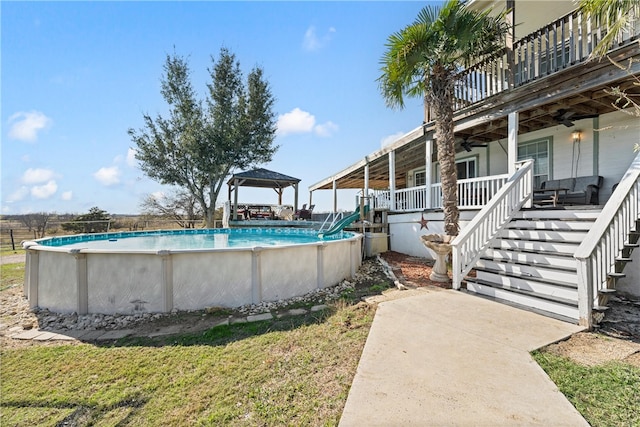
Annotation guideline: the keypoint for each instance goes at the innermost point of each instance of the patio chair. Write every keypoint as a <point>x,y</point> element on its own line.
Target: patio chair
<point>304,213</point>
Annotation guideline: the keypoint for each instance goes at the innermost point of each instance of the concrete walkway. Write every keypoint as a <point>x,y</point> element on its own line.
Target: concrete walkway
<point>446,358</point>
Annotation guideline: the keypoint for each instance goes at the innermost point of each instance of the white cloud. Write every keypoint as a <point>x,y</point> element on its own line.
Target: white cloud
<point>158,195</point>
<point>312,42</point>
<point>24,126</point>
<point>295,121</point>
<point>131,158</point>
<point>18,195</point>
<point>67,195</point>
<point>326,129</point>
<point>390,139</point>
<point>26,158</point>
<point>44,191</point>
<point>108,176</point>
<point>300,121</point>
<point>37,176</point>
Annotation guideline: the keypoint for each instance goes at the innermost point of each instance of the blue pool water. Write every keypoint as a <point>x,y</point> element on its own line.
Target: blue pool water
<point>219,238</point>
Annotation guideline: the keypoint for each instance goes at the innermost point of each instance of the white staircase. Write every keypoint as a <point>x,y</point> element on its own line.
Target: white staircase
<point>531,264</point>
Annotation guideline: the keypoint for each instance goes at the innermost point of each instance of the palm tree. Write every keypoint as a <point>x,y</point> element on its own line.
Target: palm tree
<point>614,14</point>
<point>424,60</point>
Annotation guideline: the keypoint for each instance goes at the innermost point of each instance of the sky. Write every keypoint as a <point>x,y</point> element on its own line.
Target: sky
<point>76,76</point>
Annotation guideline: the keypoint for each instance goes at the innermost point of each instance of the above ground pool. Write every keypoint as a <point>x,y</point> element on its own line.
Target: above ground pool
<point>161,271</point>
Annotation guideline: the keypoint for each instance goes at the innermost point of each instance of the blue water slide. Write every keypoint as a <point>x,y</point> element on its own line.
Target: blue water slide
<point>344,222</point>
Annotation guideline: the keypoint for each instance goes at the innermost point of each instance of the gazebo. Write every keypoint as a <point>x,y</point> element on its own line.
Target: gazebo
<point>261,178</point>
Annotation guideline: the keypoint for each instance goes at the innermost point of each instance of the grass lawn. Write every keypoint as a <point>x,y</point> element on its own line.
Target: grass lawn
<point>6,251</point>
<point>294,371</point>
<point>605,395</point>
<point>11,275</point>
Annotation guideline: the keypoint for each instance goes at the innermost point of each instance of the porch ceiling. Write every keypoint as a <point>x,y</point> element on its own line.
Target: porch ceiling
<point>573,93</point>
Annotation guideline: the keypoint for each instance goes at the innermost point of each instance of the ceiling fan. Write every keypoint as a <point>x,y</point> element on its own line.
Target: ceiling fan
<point>468,145</point>
<point>567,117</point>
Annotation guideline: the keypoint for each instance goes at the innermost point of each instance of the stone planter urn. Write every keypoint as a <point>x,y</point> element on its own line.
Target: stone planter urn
<point>440,244</point>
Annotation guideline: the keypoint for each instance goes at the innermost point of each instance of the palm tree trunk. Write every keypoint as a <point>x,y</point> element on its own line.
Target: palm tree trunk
<point>440,98</point>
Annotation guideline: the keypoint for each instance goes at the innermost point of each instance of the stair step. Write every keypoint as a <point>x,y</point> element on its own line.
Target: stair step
<point>557,306</point>
<point>600,308</point>
<point>543,235</point>
<point>615,275</point>
<point>532,258</point>
<point>608,291</point>
<point>563,248</point>
<point>560,214</point>
<point>547,272</point>
<point>564,290</point>
<point>556,225</point>
<point>632,245</point>
<point>623,259</point>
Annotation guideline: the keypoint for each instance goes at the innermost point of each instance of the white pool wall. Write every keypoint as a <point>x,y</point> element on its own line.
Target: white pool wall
<point>109,282</point>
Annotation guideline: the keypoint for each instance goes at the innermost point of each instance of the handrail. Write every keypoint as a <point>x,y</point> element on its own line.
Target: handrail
<point>333,222</point>
<point>597,254</point>
<point>475,236</point>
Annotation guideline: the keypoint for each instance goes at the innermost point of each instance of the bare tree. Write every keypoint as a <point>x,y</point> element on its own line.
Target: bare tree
<point>179,206</point>
<point>36,221</point>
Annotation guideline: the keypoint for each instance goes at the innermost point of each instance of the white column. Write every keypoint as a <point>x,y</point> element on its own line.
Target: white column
<point>335,196</point>
<point>366,180</point>
<point>428,159</point>
<point>392,179</point>
<point>512,143</point>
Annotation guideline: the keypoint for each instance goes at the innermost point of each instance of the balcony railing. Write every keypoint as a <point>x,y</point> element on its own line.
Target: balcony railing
<point>563,43</point>
<point>473,193</point>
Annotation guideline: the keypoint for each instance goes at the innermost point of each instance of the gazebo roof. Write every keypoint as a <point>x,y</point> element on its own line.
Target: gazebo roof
<point>263,178</point>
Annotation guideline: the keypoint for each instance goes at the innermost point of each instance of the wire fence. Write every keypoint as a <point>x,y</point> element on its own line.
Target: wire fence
<point>13,231</point>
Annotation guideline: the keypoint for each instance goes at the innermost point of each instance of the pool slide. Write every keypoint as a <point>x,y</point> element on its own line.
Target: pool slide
<point>344,222</point>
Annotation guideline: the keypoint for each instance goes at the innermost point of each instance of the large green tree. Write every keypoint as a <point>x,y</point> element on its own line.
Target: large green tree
<point>96,221</point>
<point>197,146</point>
<point>424,60</point>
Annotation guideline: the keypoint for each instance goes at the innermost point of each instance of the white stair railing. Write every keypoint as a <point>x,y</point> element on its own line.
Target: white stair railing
<point>596,256</point>
<point>474,238</point>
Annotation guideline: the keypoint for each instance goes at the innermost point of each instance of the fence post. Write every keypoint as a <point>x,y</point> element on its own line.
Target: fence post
<point>13,243</point>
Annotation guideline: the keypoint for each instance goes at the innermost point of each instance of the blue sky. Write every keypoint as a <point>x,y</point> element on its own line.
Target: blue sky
<point>77,75</point>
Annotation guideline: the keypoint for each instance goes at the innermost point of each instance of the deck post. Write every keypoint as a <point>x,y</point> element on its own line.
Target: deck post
<point>235,199</point>
<point>392,179</point>
<point>511,36</point>
<point>512,143</point>
<point>335,196</point>
<point>366,181</point>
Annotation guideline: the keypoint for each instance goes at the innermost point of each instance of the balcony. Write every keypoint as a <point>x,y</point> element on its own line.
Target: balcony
<point>559,46</point>
<point>473,193</point>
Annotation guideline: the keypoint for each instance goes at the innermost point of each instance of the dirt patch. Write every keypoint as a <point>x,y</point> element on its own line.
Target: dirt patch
<point>591,349</point>
<point>413,271</point>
